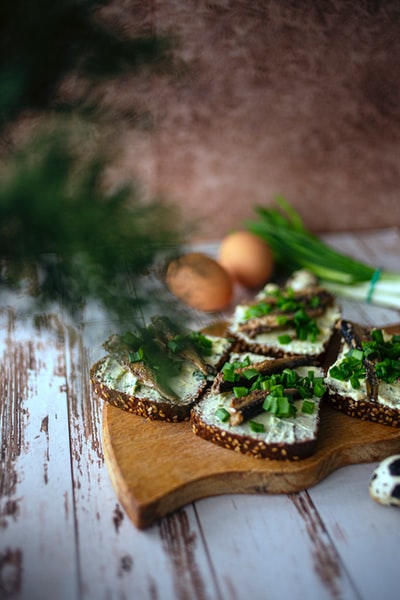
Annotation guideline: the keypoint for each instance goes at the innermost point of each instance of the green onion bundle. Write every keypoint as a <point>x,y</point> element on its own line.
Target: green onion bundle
<point>295,247</point>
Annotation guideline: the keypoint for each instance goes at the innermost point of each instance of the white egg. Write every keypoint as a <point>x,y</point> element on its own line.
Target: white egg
<point>384,486</point>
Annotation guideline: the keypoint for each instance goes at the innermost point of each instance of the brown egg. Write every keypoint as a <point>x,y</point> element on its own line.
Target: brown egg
<point>247,258</point>
<point>200,282</point>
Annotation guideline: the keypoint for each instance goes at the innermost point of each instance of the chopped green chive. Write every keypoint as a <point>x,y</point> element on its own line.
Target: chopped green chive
<point>384,353</point>
<point>258,310</point>
<point>222,414</point>
<point>281,320</point>
<point>289,311</point>
<point>229,373</point>
<point>377,336</point>
<point>355,382</point>
<point>201,342</point>
<point>315,302</point>
<point>283,388</point>
<point>356,354</point>
<point>240,391</point>
<point>173,345</point>
<point>270,404</point>
<point>250,373</point>
<point>256,426</point>
<point>308,407</point>
<point>136,356</point>
<point>283,407</point>
<point>319,388</point>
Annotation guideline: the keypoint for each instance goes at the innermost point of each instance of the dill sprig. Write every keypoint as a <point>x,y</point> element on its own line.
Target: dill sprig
<point>63,236</point>
<point>73,241</point>
<point>43,42</point>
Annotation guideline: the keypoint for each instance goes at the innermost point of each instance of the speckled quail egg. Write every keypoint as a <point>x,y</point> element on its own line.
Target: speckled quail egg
<point>384,486</point>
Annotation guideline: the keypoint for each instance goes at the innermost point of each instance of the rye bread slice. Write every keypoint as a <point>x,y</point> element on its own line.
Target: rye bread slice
<point>358,403</point>
<point>288,438</point>
<point>242,328</point>
<point>116,385</point>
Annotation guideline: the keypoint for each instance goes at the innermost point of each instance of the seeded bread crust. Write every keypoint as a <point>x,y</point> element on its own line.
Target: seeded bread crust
<point>240,345</point>
<point>248,445</point>
<point>160,410</point>
<point>365,410</point>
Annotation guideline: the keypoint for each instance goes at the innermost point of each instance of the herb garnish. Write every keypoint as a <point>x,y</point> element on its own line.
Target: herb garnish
<point>222,414</point>
<point>290,312</point>
<point>229,369</point>
<point>158,348</point>
<point>146,348</point>
<point>283,388</point>
<point>384,353</point>
<point>66,234</point>
<point>193,339</point>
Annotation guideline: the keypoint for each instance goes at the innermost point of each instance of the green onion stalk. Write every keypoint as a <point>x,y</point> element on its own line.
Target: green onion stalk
<point>295,247</point>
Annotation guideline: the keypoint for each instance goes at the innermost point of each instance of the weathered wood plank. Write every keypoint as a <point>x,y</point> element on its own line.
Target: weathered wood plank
<point>36,501</point>
<point>364,533</point>
<point>273,547</point>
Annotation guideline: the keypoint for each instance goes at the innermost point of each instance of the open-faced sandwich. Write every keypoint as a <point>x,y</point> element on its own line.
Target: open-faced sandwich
<point>364,381</point>
<point>159,372</point>
<point>264,407</point>
<point>298,318</point>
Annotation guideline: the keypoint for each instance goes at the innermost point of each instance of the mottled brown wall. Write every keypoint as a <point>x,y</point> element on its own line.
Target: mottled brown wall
<point>273,97</point>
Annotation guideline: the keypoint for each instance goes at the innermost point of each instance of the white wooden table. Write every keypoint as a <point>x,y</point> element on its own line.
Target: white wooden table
<point>64,535</point>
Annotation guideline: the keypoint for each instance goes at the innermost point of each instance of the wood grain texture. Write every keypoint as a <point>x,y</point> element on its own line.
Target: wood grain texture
<point>34,467</point>
<point>159,467</point>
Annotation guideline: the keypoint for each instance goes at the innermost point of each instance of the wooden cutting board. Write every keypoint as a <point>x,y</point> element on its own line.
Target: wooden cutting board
<point>158,467</point>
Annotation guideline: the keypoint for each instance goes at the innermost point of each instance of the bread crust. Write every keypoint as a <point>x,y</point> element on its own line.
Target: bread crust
<point>160,410</point>
<point>365,410</point>
<point>240,345</point>
<point>248,445</point>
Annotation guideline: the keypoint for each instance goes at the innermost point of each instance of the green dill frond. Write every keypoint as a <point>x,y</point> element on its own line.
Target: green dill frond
<point>79,242</point>
<point>45,41</point>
